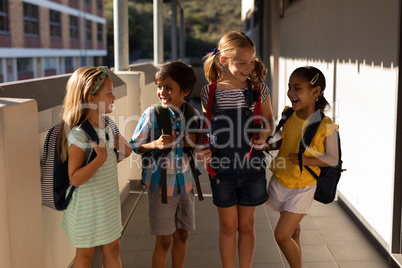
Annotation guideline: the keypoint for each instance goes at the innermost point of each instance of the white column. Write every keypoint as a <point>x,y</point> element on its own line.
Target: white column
<point>120,34</point>
<point>174,30</point>
<point>158,32</point>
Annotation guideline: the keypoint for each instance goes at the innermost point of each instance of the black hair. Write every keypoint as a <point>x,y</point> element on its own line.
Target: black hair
<point>315,78</point>
<point>179,72</point>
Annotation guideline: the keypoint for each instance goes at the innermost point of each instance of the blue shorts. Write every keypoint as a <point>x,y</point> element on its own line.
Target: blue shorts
<point>240,188</point>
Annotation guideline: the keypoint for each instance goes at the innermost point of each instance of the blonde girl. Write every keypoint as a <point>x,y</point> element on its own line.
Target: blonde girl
<point>290,190</point>
<point>92,217</point>
<point>240,184</point>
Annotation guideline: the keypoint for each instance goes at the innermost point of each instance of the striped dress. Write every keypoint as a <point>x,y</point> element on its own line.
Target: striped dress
<point>93,216</point>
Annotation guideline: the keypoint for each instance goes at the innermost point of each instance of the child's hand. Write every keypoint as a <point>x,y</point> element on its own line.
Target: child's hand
<point>190,140</point>
<point>203,154</point>
<point>100,149</point>
<point>165,141</point>
<point>260,144</point>
<point>121,144</point>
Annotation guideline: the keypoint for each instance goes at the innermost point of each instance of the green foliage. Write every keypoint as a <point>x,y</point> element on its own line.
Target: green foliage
<point>206,21</point>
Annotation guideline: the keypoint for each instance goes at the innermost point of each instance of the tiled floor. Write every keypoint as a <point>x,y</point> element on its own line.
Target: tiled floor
<point>329,238</point>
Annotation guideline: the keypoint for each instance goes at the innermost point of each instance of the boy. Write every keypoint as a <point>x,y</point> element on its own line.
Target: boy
<point>171,219</point>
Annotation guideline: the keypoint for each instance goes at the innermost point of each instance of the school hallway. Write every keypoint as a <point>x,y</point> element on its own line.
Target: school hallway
<point>329,237</point>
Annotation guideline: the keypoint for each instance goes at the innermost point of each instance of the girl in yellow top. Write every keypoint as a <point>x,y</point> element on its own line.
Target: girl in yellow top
<point>290,191</point>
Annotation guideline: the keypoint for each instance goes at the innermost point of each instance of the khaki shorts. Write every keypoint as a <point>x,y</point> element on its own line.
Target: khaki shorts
<point>178,213</point>
<point>281,198</point>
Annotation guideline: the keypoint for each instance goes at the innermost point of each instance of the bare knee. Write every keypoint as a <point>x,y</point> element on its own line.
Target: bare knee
<point>246,227</point>
<point>84,256</point>
<point>180,235</point>
<point>228,228</point>
<point>296,233</point>
<point>164,241</point>
<point>111,249</point>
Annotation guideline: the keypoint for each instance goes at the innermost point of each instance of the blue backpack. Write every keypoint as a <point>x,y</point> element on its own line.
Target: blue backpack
<point>329,177</point>
<point>54,172</point>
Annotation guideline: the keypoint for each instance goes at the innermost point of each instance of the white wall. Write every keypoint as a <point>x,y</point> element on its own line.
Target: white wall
<point>354,43</point>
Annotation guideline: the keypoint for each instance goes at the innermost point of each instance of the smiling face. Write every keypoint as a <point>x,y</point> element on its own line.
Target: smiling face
<point>302,95</point>
<point>169,93</point>
<point>104,97</point>
<point>239,67</point>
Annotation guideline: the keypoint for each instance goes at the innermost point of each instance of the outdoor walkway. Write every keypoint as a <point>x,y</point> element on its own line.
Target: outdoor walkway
<point>329,238</point>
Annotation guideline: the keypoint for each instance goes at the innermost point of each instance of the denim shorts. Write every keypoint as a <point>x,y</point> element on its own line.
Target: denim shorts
<point>239,188</point>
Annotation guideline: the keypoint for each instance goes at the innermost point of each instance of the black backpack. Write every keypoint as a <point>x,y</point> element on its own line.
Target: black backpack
<point>163,119</point>
<point>54,172</point>
<point>329,176</point>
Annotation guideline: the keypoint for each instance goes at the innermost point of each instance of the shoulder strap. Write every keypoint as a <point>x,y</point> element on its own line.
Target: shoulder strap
<point>163,119</point>
<point>257,109</point>
<point>309,134</point>
<point>285,116</point>
<point>112,125</point>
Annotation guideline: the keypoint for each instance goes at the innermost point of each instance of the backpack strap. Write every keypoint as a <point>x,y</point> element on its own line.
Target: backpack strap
<point>207,125</point>
<point>308,136</point>
<point>285,116</point>
<point>163,119</point>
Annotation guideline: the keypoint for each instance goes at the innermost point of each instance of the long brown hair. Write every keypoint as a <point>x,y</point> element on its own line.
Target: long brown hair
<point>228,45</point>
<point>75,105</point>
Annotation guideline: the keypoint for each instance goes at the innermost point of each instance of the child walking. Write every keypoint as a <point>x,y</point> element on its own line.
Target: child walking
<point>290,190</point>
<point>92,217</point>
<point>240,184</point>
<point>173,216</point>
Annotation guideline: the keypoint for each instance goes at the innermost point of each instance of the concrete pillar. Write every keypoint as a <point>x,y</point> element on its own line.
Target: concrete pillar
<point>121,54</point>
<point>21,225</point>
<point>158,32</point>
<point>174,30</point>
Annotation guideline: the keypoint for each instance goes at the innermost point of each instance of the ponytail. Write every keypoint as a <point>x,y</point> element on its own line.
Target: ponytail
<point>259,72</point>
<point>212,69</point>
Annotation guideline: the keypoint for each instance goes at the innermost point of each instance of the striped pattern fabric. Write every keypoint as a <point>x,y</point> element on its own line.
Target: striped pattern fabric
<point>232,99</point>
<point>93,216</point>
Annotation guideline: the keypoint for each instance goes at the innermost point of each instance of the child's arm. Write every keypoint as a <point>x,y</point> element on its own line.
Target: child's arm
<point>77,171</point>
<point>164,142</point>
<point>268,122</point>
<point>330,158</point>
<point>123,147</point>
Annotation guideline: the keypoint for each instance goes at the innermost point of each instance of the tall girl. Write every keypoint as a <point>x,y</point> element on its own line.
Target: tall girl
<point>92,217</point>
<point>290,191</point>
<point>240,184</point>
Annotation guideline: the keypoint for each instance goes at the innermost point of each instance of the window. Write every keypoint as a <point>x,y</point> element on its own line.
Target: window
<point>88,31</point>
<point>99,5</point>
<point>24,65</point>
<point>3,16</point>
<point>69,63</point>
<point>88,4</point>
<point>31,20</point>
<point>55,24</point>
<point>100,32</point>
<point>74,27</point>
<point>49,63</point>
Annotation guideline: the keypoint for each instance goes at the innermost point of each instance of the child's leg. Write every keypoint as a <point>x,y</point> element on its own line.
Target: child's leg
<point>111,255</point>
<point>228,225</point>
<point>83,257</point>
<point>287,235</point>
<point>179,248</point>
<point>246,236</point>
<point>162,246</point>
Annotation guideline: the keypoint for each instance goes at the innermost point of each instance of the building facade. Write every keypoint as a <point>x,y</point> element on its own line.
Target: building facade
<point>48,37</point>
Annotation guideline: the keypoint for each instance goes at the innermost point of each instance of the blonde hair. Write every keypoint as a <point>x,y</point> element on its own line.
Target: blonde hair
<point>227,47</point>
<point>75,105</point>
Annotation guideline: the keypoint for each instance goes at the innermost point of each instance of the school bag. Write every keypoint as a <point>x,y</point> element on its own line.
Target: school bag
<point>54,172</point>
<point>329,177</point>
<point>163,119</point>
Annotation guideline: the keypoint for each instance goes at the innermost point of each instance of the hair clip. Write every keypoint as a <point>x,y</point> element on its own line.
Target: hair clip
<point>315,78</point>
<point>99,81</point>
<point>215,50</point>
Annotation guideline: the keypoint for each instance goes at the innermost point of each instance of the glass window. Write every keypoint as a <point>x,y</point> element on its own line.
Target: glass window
<point>49,63</point>
<point>24,65</point>
<point>55,24</point>
<point>88,30</point>
<point>88,3</point>
<point>100,32</point>
<point>31,19</point>
<point>68,63</point>
<point>3,16</point>
<point>74,27</point>
<point>99,5</point>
